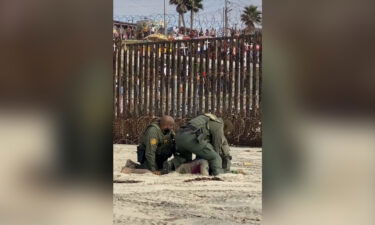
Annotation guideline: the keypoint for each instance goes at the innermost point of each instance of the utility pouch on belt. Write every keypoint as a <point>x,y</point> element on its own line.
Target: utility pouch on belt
<point>201,137</point>
<point>141,153</point>
<point>197,131</point>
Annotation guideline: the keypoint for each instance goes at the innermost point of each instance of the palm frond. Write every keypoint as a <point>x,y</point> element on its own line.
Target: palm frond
<point>194,5</point>
<point>251,16</point>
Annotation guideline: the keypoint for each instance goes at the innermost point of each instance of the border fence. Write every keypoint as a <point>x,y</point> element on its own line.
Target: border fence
<point>186,78</point>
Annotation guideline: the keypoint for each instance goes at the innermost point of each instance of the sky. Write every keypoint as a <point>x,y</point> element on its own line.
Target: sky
<point>212,8</point>
<point>148,7</point>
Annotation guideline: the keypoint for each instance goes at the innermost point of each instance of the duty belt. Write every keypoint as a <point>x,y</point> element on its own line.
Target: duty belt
<point>192,129</point>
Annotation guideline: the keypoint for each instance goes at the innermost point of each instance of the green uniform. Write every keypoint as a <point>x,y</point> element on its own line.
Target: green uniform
<point>155,148</point>
<point>203,136</point>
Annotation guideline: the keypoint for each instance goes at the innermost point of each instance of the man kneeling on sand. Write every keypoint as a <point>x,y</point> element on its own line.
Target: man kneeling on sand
<point>199,166</point>
<point>156,145</point>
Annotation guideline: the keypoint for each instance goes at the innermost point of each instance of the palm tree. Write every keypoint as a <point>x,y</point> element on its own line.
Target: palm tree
<point>251,16</point>
<point>181,8</point>
<point>194,6</point>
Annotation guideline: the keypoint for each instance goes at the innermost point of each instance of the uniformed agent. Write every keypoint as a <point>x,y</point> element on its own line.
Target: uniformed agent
<point>156,144</point>
<point>203,136</point>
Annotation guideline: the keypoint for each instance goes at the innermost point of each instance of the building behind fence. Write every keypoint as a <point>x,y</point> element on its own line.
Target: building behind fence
<point>187,78</point>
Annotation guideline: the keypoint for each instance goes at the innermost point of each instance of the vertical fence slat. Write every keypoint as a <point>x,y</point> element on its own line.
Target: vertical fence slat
<point>158,78</point>
<point>195,89</point>
<point>236,76</point>
<point>179,71</point>
<point>260,71</point>
<point>257,75</point>
<point>119,80</point>
<point>248,77</point>
<point>183,79</point>
<point>136,80</point>
<point>124,84</point>
<point>218,77</point>
<point>213,76</point>
<point>173,83</point>
<point>225,77</point>
<point>206,78</point>
<point>130,79</point>
<point>190,79</point>
<point>146,78</point>
<point>254,78</point>
<point>141,79</point>
<point>168,76</point>
<point>115,63</point>
<point>152,79</point>
<point>210,76</point>
<point>200,76</point>
<point>231,82</point>
<point>242,73</point>
<point>162,80</point>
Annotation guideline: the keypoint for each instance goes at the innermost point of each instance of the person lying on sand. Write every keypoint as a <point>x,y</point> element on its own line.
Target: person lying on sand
<point>199,166</point>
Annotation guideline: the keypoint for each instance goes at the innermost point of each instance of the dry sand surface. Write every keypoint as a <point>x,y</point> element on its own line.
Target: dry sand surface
<point>167,199</point>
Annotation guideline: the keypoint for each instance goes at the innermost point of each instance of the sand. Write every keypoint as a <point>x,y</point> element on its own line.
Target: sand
<point>167,199</point>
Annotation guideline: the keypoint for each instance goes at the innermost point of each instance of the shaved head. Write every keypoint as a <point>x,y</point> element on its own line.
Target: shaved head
<point>166,123</point>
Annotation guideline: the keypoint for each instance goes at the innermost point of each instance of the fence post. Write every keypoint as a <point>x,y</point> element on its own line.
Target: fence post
<point>206,78</point>
<point>141,75</point>
<point>225,77</point>
<point>168,83</point>
<point>136,80</point>
<point>162,80</point>
<point>218,77</point>
<point>194,49</point>
<point>119,80</point>
<point>125,106</point>
<point>183,78</point>
<point>115,63</point>
<point>152,79</point>
<point>146,79</point>
<point>173,81</point>
<point>236,76</point>
<point>248,76</point>
<point>157,79</point>
<point>254,78</point>
<point>131,80</point>
<point>200,76</point>
<point>190,81</point>
<point>242,74</point>
<point>260,69</point>
<point>231,82</point>
<point>179,79</point>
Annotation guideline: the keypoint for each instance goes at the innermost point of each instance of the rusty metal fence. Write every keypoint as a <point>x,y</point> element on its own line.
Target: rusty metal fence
<point>186,78</point>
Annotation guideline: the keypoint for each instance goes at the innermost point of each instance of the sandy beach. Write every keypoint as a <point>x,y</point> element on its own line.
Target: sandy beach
<point>169,199</point>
